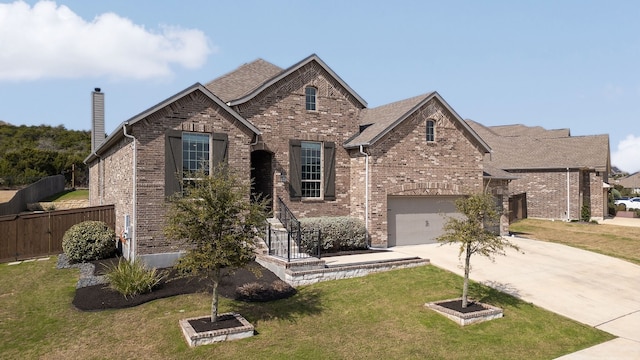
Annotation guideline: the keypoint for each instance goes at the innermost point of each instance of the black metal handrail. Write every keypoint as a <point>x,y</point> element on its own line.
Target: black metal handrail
<point>283,244</point>
<point>288,244</point>
<point>286,217</point>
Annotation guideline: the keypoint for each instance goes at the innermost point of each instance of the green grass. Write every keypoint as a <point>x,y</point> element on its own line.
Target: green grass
<point>78,194</point>
<point>622,242</point>
<point>381,316</point>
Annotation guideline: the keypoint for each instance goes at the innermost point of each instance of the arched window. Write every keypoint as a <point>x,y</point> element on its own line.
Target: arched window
<point>431,131</point>
<point>310,98</point>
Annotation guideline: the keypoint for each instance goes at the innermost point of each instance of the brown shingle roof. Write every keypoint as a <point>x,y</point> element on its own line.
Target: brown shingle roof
<point>384,117</point>
<point>495,173</point>
<point>630,182</point>
<point>381,120</point>
<point>531,131</point>
<point>243,80</point>
<point>528,152</point>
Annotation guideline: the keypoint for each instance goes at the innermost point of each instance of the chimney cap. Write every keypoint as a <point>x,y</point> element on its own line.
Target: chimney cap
<point>97,89</point>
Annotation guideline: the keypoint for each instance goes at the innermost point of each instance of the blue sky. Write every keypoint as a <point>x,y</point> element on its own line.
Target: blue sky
<point>556,64</point>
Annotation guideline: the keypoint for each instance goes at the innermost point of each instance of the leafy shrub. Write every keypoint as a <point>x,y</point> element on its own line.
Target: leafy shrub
<point>585,213</point>
<point>258,292</point>
<point>337,233</point>
<point>88,241</point>
<point>621,207</point>
<point>131,278</point>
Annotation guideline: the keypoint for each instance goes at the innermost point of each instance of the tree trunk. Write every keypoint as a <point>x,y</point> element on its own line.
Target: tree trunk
<point>214,301</point>
<point>467,267</point>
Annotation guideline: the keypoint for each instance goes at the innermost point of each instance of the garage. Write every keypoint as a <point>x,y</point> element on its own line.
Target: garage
<point>414,220</point>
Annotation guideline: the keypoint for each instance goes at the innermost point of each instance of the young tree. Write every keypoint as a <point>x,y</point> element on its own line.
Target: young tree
<point>473,233</point>
<point>218,222</point>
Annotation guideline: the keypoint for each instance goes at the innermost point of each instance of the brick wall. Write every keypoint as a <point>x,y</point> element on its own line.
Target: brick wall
<point>193,113</point>
<point>547,193</point>
<point>280,114</point>
<point>599,196</point>
<point>111,181</point>
<point>403,163</point>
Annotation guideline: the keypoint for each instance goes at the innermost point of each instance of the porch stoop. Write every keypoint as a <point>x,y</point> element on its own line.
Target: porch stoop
<point>312,270</point>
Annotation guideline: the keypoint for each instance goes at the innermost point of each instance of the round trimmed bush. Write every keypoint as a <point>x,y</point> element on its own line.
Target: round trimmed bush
<point>88,241</point>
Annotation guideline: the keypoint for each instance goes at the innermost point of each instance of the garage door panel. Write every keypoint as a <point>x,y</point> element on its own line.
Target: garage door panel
<point>418,220</point>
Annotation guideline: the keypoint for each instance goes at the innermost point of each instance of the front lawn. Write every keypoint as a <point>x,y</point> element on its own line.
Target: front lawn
<point>72,194</point>
<point>379,316</point>
<point>622,242</point>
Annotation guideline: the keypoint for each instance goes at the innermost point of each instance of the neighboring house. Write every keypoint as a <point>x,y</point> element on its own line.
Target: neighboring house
<point>631,182</point>
<point>304,136</point>
<point>556,172</point>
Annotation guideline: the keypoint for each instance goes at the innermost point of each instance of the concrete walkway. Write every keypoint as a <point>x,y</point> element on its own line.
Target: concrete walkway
<point>594,289</point>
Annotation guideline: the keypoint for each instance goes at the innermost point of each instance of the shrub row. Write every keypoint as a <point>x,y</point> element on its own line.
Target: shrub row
<point>337,233</point>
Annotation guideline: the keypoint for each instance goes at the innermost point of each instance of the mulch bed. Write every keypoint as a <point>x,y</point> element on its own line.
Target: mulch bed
<point>456,305</point>
<point>266,287</point>
<point>224,322</point>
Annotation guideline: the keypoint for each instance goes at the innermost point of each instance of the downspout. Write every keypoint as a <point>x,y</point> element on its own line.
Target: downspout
<point>132,236</point>
<point>568,198</point>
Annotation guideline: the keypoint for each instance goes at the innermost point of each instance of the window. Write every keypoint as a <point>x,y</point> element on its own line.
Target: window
<point>431,132</point>
<point>312,170</point>
<point>188,152</point>
<point>195,156</point>
<point>311,159</point>
<point>310,98</point>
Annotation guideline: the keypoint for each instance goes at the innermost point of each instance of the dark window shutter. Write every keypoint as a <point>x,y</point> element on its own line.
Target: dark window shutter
<point>295,169</point>
<point>329,171</point>
<point>220,146</point>
<point>172,162</point>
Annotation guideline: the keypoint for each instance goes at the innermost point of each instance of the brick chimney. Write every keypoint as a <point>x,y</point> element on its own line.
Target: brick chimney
<point>97,119</point>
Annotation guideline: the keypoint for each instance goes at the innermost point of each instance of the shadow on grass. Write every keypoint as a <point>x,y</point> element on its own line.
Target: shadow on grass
<point>495,293</point>
<point>305,302</point>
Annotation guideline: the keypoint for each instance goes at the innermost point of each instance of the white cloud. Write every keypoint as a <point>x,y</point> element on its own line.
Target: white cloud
<point>51,41</point>
<point>627,156</point>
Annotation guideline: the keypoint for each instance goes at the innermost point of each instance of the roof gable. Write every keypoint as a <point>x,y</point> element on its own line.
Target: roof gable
<point>284,73</point>
<point>383,119</point>
<point>117,135</point>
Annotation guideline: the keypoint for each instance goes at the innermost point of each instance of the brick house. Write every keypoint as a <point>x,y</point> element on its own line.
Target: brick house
<point>555,172</point>
<point>631,182</point>
<point>305,137</point>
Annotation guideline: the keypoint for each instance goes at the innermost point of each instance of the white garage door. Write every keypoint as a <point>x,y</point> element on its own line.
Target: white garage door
<point>417,220</point>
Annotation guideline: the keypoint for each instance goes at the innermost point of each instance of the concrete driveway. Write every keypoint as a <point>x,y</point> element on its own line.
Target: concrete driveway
<point>594,289</point>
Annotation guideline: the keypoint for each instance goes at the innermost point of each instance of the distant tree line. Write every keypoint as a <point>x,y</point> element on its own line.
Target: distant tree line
<point>29,153</point>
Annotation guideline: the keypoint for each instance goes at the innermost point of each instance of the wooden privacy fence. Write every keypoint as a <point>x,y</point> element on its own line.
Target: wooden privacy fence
<point>28,235</point>
<point>517,207</point>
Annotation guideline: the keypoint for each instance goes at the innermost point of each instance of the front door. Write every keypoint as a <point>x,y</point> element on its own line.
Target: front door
<point>262,175</point>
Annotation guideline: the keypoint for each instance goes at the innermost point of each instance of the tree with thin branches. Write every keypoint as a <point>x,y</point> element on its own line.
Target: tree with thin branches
<point>219,224</point>
<point>473,233</point>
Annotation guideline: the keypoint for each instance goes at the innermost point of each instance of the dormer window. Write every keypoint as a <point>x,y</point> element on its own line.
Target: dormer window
<point>310,98</point>
<point>431,131</point>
